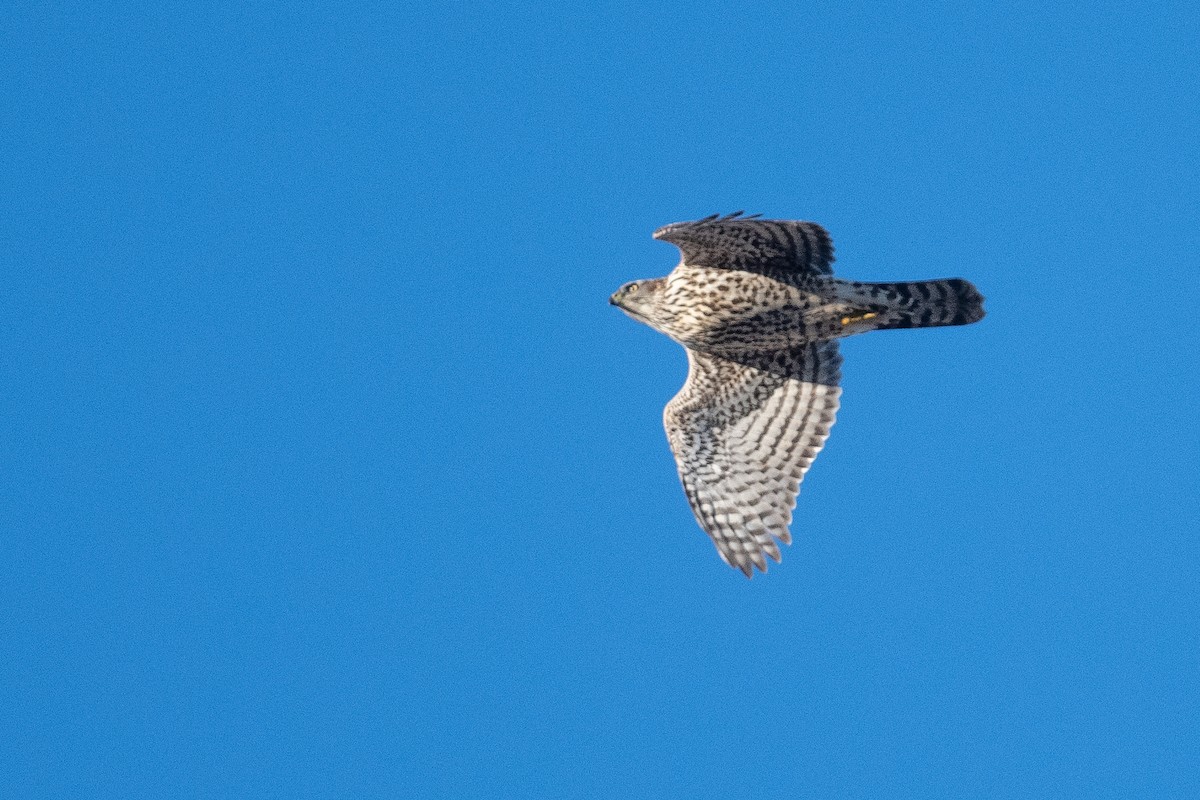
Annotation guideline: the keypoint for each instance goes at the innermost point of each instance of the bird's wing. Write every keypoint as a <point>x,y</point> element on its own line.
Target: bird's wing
<point>773,247</point>
<point>744,433</point>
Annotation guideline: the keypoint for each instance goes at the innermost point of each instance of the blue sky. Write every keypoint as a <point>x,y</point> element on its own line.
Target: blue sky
<point>331,474</point>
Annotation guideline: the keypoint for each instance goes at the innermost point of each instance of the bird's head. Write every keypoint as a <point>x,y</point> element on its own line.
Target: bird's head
<point>639,299</point>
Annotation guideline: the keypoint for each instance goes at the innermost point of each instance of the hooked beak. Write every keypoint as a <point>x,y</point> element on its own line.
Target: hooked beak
<point>619,295</point>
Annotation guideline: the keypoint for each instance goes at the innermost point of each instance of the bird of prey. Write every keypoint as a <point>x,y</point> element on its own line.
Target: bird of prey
<point>755,304</point>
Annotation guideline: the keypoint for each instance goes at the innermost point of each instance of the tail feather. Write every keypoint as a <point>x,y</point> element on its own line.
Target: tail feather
<point>919,304</point>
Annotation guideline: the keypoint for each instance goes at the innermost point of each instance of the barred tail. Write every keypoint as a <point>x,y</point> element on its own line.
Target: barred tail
<point>919,304</point>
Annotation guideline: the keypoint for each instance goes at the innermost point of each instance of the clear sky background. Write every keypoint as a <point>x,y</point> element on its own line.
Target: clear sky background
<point>329,472</point>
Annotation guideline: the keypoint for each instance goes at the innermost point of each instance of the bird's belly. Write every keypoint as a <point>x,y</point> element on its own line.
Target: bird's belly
<point>746,327</point>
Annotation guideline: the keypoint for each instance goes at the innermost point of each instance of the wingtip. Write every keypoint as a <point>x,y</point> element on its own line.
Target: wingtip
<point>746,563</point>
<point>665,229</point>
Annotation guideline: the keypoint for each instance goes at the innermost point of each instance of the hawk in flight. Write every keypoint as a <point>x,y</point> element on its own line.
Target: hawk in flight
<point>755,304</point>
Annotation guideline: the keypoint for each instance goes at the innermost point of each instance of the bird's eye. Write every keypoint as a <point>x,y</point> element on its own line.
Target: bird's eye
<point>633,287</point>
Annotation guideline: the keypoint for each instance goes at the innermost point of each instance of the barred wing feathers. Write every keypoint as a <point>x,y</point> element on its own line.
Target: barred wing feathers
<point>743,434</point>
<point>777,248</point>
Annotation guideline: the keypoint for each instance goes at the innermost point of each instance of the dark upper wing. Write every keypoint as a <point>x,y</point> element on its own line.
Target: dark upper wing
<point>765,246</point>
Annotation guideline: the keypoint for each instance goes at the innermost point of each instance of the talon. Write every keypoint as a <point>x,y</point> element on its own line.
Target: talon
<point>859,318</point>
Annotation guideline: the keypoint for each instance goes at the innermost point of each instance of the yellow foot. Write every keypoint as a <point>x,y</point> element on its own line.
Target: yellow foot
<point>859,318</point>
